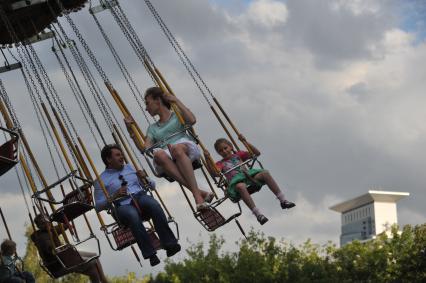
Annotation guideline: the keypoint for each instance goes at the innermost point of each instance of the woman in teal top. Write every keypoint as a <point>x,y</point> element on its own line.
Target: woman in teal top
<point>176,149</point>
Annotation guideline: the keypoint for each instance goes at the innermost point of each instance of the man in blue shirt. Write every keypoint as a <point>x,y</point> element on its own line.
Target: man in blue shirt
<point>123,183</point>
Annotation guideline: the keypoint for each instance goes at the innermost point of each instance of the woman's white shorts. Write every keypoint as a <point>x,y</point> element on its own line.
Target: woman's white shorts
<point>194,152</point>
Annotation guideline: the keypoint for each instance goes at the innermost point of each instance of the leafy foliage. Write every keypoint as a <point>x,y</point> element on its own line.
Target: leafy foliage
<point>398,258</point>
<point>401,257</point>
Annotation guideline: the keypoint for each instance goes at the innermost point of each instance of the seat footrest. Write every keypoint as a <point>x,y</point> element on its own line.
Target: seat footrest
<point>210,218</point>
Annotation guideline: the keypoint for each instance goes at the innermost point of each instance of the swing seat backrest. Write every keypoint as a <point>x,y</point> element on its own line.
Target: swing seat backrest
<point>123,237</point>
<point>54,269</point>
<point>76,203</point>
<point>70,211</point>
<point>70,258</point>
<point>83,196</point>
<point>8,155</point>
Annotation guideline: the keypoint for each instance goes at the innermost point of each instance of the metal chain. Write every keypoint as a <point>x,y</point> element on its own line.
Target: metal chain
<point>129,80</point>
<point>79,90</point>
<point>105,106</point>
<point>100,98</point>
<point>31,63</point>
<point>84,69</point>
<point>139,49</point>
<point>9,105</point>
<point>182,55</point>
<point>76,96</point>
<point>57,100</point>
<point>37,109</point>
<point>16,39</point>
<point>22,190</point>
<point>138,43</point>
<point>87,49</point>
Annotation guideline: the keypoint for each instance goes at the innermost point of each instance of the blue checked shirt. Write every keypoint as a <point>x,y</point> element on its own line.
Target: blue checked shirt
<point>112,181</point>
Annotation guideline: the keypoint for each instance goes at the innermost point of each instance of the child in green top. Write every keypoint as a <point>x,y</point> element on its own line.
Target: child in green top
<point>241,177</point>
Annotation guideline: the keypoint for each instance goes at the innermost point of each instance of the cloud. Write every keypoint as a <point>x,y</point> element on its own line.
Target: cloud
<point>338,32</point>
<point>266,13</point>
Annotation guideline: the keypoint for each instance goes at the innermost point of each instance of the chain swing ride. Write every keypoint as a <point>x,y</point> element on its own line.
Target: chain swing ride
<point>69,197</point>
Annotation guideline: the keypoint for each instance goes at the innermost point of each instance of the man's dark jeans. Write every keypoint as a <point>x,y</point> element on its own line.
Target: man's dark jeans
<point>129,216</point>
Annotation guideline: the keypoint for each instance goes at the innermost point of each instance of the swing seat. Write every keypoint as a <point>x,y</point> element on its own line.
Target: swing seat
<point>8,155</point>
<point>83,195</point>
<point>70,211</point>
<point>69,259</point>
<point>210,218</point>
<point>123,238</point>
<point>76,203</point>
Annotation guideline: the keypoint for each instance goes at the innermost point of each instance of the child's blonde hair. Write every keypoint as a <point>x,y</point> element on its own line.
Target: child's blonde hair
<point>219,142</point>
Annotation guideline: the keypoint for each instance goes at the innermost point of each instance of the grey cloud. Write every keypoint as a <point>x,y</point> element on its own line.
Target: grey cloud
<point>336,36</point>
<point>358,90</point>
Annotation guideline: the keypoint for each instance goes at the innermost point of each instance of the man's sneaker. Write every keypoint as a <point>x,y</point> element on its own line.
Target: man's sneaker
<point>262,219</point>
<point>172,250</point>
<point>287,204</point>
<point>154,260</point>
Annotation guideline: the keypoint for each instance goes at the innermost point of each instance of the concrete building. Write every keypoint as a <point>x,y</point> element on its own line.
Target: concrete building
<point>367,215</point>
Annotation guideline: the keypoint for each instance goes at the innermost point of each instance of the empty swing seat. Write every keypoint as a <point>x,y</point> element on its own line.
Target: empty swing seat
<point>8,155</point>
<point>75,203</point>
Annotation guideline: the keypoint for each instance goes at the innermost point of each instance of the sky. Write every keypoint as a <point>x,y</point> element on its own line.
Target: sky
<point>330,91</point>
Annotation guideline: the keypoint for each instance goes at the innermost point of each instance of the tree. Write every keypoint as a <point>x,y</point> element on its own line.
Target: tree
<point>398,258</point>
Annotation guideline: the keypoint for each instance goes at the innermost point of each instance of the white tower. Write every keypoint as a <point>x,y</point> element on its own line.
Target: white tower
<point>367,215</point>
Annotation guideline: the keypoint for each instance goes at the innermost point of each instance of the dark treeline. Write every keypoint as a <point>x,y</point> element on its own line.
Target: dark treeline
<point>401,257</point>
